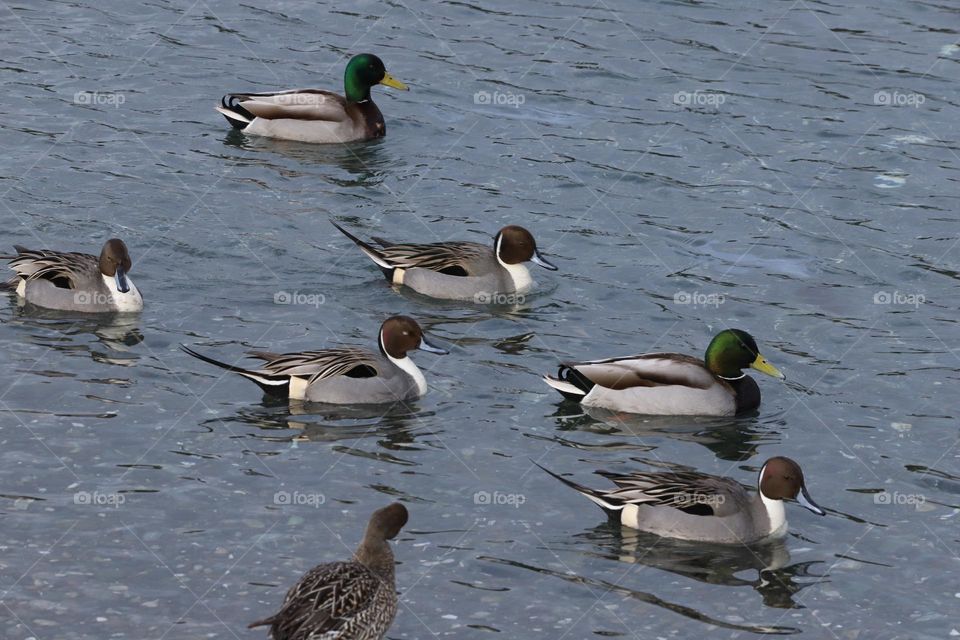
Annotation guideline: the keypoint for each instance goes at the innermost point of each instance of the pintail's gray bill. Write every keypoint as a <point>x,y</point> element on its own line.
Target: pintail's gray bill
<point>431,348</point>
<point>121,277</point>
<point>540,260</point>
<point>806,501</point>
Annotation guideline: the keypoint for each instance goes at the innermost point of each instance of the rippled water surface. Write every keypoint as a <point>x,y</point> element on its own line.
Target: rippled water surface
<point>790,168</point>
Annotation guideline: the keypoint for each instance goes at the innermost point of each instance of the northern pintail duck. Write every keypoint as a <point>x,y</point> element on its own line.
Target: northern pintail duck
<point>76,281</point>
<point>315,115</point>
<point>344,375</point>
<point>459,270</point>
<point>671,383</point>
<point>697,506</point>
<point>354,600</point>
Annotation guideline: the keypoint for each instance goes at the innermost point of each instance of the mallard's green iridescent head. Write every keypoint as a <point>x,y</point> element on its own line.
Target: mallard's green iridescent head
<point>364,71</point>
<point>731,351</point>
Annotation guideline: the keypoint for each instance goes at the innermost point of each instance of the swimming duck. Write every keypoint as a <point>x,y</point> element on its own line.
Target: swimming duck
<point>697,506</point>
<point>459,270</point>
<point>671,383</point>
<point>315,115</point>
<point>344,375</point>
<point>353,600</point>
<point>76,281</point>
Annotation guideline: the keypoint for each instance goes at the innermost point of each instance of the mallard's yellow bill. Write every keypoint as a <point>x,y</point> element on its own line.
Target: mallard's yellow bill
<point>390,81</point>
<point>761,365</point>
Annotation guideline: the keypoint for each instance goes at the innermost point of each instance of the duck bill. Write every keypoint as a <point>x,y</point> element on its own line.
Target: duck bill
<point>431,348</point>
<point>540,260</point>
<point>807,502</point>
<point>390,81</point>
<point>761,365</point>
<point>121,278</point>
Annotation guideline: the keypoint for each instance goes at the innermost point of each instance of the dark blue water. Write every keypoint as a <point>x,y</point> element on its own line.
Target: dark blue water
<point>789,168</point>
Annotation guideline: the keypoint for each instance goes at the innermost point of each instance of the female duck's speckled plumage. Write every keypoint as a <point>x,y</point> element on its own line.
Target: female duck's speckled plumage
<point>671,383</point>
<point>696,506</point>
<point>343,375</point>
<point>315,115</point>
<point>68,281</point>
<point>355,600</point>
<point>459,270</point>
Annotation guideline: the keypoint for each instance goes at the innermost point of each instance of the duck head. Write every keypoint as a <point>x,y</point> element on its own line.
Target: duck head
<point>115,263</point>
<point>782,479</point>
<point>400,334</point>
<point>387,522</point>
<point>733,350</point>
<point>515,245</point>
<point>363,72</point>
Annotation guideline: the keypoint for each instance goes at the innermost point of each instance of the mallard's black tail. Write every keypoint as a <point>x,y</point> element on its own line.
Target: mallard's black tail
<point>233,111</point>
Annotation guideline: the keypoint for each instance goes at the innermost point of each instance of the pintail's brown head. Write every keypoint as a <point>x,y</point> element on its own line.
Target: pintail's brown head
<point>515,245</point>
<point>782,479</point>
<point>400,334</point>
<point>115,262</point>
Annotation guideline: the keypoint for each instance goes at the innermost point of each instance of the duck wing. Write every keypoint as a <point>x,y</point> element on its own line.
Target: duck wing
<point>688,491</point>
<point>294,104</point>
<point>64,269</point>
<point>318,365</point>
<point>324,600</point>
<point>644,370</point>
<point>452,258</point>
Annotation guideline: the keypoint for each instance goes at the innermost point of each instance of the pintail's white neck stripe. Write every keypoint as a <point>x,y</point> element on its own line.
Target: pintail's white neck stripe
<point>410,368</point>
<point>496,250</point>
<point>519,274</point>
<point>776,514</point>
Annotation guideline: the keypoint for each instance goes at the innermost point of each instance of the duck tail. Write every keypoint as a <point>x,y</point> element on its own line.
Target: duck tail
<point>571,384</point>
<point>276,386</point>
<point>233,111</point>
<point>593,495</point>
<point>371,252</point>
<point>262,623</point>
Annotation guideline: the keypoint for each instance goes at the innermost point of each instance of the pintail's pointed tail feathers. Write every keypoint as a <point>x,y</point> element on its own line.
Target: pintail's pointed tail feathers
<point>274,385</point>
<point>597,497</point>
<point>371,252</point>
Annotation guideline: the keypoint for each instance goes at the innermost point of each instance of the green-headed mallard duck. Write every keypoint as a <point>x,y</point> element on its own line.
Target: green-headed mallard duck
<point>671,383</point>
<point>355,600</point>
<point>315,115</point>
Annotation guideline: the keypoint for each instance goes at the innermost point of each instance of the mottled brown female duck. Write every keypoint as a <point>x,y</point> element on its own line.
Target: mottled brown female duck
<point>355,600</point>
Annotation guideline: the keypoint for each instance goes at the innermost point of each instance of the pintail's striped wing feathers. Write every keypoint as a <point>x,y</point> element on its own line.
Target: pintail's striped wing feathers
<point>65,269</point>
<point>295,104</point>
<point>695,493</point>
<point>644,370</point>
<point>325,600</point>
<point>319,365</point>
<point>453,258</point>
